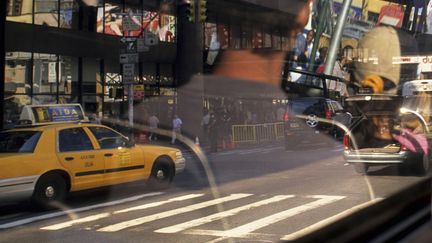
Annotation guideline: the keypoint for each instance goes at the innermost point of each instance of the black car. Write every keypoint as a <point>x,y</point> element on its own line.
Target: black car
<point>308,118</point>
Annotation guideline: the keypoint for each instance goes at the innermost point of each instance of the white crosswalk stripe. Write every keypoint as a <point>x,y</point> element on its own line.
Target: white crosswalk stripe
<point>247,230</point>
<point>244,230</point>
<point>146,219</point>
<point>217,216</point>
<point>104,215</point>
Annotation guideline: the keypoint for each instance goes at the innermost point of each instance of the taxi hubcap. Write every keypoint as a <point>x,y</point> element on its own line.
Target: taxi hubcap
<point>49,192</point>
<point>160,174</point>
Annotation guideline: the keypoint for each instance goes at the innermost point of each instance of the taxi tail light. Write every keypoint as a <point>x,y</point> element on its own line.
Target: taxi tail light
<point>286,116</point>
<point>346,142</point>
<point>327,114</point>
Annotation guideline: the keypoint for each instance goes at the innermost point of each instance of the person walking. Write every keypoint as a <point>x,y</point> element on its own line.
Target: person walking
<point>153,122</point>
<point>176,128</point>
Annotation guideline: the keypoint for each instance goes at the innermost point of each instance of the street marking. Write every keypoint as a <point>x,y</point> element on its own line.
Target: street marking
<point>217,216</point>
<point>76,221</point>
<point>146,219</point>
<point>155,204</point>
<point>327,221</point>
<point>76,210</point>
<point>104,215</point>
<point>246,229</point>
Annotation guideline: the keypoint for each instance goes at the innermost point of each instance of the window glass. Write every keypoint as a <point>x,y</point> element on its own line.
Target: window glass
<point>167,28</point>
<point>13,105</point>
<point>166,74</point>
<point>19,142</point>
<point>74,139</point>
<point>68,75</point>
<point>45,73</point>
<point>18,72</point>
<point>113,20</point>
<point>43,99</point>
<point>92,82</point>
<point>107,138</point>
<point>46,12</point>
<point>20,11</point>
<point>69,14</point>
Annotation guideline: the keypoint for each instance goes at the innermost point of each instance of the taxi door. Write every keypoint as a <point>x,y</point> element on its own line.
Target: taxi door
<point>77,154</point>
<point>122,163</point>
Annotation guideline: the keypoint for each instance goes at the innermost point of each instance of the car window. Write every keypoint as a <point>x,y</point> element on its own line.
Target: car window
<point>107,138</point>
<point>74,139</point>
<point>22,142</point>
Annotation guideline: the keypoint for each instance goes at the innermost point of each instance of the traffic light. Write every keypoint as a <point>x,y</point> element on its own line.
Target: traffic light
<point>202,10</point>
<point>190,10</point>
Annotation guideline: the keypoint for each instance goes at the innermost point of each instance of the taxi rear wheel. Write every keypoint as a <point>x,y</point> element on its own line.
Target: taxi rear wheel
<point>50,189</point>
<point>161,175</point>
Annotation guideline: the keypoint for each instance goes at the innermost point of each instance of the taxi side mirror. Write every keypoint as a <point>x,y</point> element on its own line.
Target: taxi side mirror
<point>129,143</point>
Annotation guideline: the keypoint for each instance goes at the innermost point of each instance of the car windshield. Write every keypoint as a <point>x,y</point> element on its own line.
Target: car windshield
<point>18,142</point>
<point>214,120</point>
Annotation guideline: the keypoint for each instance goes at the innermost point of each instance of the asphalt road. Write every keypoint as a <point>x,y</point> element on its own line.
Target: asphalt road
<point>260,194</point>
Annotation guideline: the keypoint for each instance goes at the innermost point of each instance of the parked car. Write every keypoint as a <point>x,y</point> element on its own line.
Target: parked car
<point>383,135</point>
<point>307,118</point>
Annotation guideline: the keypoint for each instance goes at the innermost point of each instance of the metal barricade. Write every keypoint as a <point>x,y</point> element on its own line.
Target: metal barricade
<point>257,133</point>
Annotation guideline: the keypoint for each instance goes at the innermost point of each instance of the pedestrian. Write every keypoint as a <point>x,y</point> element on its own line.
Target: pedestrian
<point>176,128</point>
<point>153,122</point>
<point>204,125</point>
<point>213,133</point>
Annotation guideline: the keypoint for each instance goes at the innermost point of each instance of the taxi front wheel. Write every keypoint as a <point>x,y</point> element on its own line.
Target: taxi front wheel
<point>50,189</point>
<point>161,175</point>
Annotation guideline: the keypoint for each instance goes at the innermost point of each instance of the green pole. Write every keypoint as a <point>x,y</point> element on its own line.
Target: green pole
<point>318,33</point>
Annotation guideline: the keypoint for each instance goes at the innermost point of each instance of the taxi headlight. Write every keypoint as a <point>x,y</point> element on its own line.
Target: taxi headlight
<point>179,155</point>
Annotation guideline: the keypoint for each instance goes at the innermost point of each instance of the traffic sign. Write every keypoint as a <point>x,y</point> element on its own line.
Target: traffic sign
<point>128,73</point>
<point>129,58</point>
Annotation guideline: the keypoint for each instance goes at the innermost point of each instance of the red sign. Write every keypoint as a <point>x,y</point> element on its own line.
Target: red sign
<point>391,15</point>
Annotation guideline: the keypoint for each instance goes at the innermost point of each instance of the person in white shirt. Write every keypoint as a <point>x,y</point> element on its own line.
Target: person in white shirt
<point>153,122</point>
<point>176,128</point>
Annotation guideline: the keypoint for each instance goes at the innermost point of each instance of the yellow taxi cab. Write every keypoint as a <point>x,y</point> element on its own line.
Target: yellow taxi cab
<point>58,154</point>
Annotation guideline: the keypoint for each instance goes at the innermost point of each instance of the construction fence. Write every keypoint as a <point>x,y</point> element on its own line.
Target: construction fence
<point>257,133</point>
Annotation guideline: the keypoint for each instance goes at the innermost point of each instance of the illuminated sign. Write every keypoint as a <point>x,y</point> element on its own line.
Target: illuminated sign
<point>64,113</point>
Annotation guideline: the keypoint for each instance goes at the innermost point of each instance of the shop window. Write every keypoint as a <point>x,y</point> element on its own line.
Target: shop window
<point>276,41</point>
<point>68,75</point>
<point>257,40</point>
<point>210,35</point>
<point>167,28</point>
<point>69,14</point>
<point>92,104</point>
<point>149,73</point>
<point>67,99</point>
<point>166,74</point>
<point>235,37</point>
<point>223,36</point>
<point>246,37</point>
<point>267,40</point>
<point>20,11</point>
<point>92,82</point>
<point>13,105</point>
<point>45,73</point>
<point>43,99</point>
<point>46,12</point>
<point>18,73</point>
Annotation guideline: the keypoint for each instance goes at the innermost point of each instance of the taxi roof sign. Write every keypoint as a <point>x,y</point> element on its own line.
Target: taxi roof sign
<point>52,114</point>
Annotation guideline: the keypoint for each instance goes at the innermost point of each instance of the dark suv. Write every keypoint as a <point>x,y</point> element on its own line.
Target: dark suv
<point>308,118</point>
